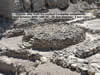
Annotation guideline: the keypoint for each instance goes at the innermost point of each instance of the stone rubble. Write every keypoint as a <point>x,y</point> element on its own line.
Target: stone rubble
<point>73,56</point>
<point>53,37</point>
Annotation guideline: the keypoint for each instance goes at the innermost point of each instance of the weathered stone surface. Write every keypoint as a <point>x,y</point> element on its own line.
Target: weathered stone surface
<point>13,33</point>
<point>71,62</point>
<point>52,37</point>
<point>58,4</point>
<point>88,48</point>
<point>81,50</point>
<point>51,3</point>
<point>63,4</point>
<point>26,5</point>
<point>38,5</point>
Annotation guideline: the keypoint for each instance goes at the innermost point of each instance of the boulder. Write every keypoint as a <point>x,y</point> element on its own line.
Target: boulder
<point>58,4</point>
<point>53,36</point>
<point>26,5</point>
<point>63,4</point>
<point>51,3</point>
<point>18,6</point>
<point>38,5</point>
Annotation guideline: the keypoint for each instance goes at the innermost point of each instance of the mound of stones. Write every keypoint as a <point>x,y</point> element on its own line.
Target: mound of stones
<point>72,57</point>
<point>53,37</point>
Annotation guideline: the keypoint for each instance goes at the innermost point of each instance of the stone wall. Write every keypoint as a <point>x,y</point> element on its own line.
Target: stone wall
<point>39,5</point>
<point>7,6</point>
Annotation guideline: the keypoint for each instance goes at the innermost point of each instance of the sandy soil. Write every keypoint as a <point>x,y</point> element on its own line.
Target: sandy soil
<point>12,43</point>
<point>52,69</point>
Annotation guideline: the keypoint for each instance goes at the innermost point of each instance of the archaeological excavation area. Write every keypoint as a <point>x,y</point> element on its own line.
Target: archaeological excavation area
<point>52,46</point>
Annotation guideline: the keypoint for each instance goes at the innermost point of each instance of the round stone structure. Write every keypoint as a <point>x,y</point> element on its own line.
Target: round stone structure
<point>53,37</point>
